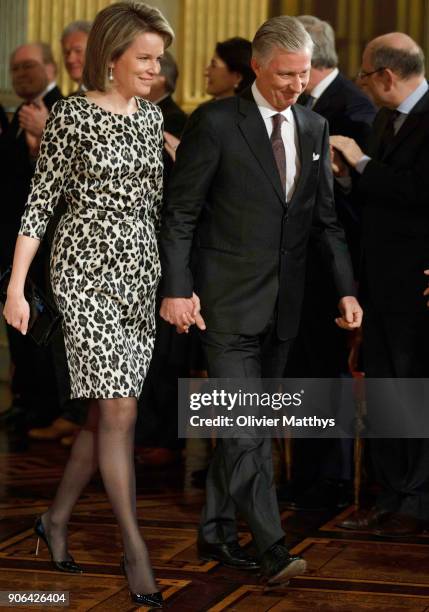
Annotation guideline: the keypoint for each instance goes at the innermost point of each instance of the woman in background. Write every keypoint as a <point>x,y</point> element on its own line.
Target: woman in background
<point>228,74</point>
<point>102,151</point>
<point>229,71</point>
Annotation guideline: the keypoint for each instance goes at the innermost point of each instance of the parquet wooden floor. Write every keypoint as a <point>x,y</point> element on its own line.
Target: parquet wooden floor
<point>346,572</point>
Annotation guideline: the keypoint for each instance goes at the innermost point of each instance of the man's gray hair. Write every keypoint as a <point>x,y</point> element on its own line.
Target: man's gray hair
<point>170,71</point>
<point>405,62</point>
<point>323,36</point>
<point>282,32</point>
<point>76,26</point>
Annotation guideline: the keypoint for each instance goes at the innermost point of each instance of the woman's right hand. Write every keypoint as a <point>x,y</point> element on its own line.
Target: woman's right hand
<point>17,312</point>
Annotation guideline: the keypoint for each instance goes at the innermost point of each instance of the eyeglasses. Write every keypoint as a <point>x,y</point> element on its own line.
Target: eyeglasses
<point>25,66</point>
<point>362,74</point>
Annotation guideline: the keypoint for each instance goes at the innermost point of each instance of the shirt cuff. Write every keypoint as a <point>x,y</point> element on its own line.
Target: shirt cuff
<point>361,165</point>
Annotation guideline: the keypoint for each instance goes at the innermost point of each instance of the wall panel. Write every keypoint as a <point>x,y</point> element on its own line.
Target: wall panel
<point>13,26</point>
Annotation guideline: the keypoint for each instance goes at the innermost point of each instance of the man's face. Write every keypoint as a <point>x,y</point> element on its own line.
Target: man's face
<point>29,73</point>
<point>371,82</point>
<point>74,47</point>
<point>282,76</point>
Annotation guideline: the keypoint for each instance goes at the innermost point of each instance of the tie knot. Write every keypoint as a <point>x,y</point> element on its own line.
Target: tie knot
<point>278,120</point>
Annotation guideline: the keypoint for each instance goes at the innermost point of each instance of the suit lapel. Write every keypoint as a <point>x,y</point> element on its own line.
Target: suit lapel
<point>327,99</point>
<point>410,124</point>
<point>305,139</point>
<point>253,128</point>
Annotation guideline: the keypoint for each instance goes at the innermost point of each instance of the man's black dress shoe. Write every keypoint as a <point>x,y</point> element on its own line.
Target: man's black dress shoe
<point>399,526</point>
<point>229,554</point>
<point>364,520</point>
<point>278,566</point>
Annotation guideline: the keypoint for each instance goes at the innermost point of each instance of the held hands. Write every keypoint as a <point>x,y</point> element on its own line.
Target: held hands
<point>351,313</point>
<point>182,312</point>
<point>351,151</point>
<point>17,312</point>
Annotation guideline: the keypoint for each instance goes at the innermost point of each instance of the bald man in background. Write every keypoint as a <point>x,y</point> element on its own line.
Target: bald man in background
<point>393,183</point>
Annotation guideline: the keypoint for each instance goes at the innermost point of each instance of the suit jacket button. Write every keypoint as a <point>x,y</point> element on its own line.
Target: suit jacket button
<point>284,252</point>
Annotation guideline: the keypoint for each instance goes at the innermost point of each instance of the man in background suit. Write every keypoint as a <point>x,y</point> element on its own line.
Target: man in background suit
<point>33,72</point>
<point>246,193</point>
<point>321,349</point>
<point>157,439</point>
<point>161,94</point>
<point>393,183</point>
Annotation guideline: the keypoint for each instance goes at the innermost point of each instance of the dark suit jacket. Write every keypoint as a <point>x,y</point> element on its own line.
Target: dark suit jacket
<point>395,196</point>
<point>174,117</point>
<point>16,166</point>
<point>251,245</point>
<point>351,113</point>
<point>347,109</point>
<point>4,123</point>
<point>16,172</point>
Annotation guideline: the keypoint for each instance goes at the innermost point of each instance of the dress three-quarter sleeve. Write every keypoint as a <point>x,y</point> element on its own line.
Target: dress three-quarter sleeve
<point>53,169</point>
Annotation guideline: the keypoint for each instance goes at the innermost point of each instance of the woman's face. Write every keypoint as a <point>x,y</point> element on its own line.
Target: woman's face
<point>134,70</point>
<point>221,81</point>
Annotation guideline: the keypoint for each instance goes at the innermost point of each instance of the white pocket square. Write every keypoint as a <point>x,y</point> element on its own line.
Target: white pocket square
<point>316,156</point>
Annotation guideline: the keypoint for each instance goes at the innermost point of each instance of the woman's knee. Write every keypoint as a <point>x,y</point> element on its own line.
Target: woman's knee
<point>118,414</point>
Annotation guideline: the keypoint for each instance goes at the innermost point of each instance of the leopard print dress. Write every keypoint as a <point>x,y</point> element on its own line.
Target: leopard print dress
<point>104,261</point>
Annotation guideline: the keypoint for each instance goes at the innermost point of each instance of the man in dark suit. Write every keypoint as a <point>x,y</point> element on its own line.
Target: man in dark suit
<point>252,176</point>
<point>161,94</point>
<point>321,348</point>
<point>33,73</point>
<point>393,183</point>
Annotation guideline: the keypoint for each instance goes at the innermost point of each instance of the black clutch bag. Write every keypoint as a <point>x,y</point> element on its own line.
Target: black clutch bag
<point>44,317</point>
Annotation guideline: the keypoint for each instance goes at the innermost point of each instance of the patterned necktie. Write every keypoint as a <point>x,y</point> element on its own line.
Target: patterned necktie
<point>278,147</point>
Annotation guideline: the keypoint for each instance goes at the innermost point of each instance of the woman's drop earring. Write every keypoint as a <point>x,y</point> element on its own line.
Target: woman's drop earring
<point>110,75</point>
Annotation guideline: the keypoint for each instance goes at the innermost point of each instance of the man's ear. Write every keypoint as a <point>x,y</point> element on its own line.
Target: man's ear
<point>387,78</point>
<point>51,72</point>
<point>256,66</point>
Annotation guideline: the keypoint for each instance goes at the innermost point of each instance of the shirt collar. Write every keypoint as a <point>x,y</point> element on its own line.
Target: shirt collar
<point>49,88</point>
<point>408,104</point>
<point>324,84</point>
<point>266,109</point>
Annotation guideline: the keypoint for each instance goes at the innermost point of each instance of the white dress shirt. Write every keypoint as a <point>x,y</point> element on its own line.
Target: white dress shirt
<point>289,137</point>
<point>323,85</point>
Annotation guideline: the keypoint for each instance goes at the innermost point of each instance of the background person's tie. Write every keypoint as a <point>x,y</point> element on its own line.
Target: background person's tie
<point>389,131</point>
<point>278,147</point>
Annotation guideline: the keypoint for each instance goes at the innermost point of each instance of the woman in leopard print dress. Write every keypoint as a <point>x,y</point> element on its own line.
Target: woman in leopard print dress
<point>102,151</point>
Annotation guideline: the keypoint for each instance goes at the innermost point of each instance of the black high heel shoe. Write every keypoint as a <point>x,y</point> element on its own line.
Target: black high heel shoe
<point>63,566</point>
<point>152,600</point>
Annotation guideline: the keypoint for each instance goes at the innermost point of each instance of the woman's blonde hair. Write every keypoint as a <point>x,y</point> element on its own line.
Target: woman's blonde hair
<point>113,31</point>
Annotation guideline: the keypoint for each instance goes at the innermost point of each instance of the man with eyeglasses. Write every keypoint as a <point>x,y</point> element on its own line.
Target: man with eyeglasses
<point>393,184</point>
<point>33,72</point>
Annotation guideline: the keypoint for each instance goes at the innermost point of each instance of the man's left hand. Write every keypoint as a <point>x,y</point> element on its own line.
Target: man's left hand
<point>348,147</point>
<point>426,291</point>
<point>32,118</point>
<point>351,313</point>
